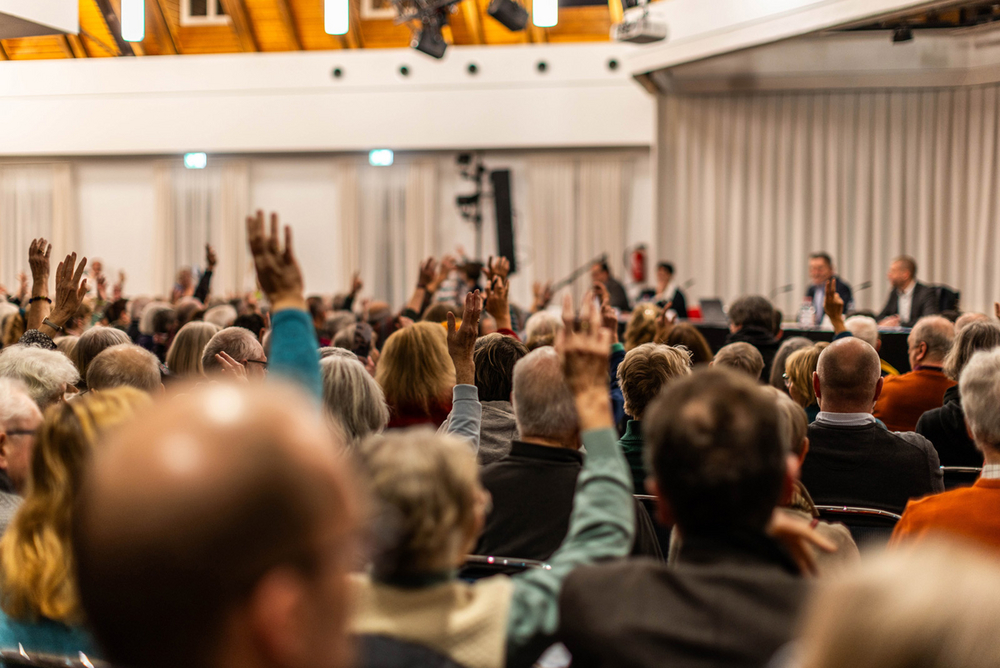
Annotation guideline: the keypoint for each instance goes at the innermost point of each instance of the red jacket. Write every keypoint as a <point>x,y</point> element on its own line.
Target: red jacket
<point>905,398</point>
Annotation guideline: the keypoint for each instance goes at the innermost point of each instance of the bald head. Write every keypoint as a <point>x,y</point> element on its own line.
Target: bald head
<point>238,343</point>
<point>224,506</point>
<point>848,377</point>
<point>930,340</point>
<point>124,365</point>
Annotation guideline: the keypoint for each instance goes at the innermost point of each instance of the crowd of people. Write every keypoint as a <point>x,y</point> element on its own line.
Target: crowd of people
<point>277,479</point>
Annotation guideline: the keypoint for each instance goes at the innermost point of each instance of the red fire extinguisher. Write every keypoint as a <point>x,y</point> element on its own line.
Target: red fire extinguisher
<point>637,263</point>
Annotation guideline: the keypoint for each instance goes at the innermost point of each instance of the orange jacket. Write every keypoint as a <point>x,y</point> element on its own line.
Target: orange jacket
<point>905,398</point>
<point>968,512</point>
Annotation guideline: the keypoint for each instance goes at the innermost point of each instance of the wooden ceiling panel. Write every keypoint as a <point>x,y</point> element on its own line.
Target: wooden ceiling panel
<point>384,34</point>
<point>269,26</point>
<point>582,24</point>
<point>309,19</point>
<point>94,31</point>
<point>48,47</point>
<point>208,39</point>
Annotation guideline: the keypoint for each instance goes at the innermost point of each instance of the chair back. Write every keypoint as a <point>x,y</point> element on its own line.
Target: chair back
<point>378,651</point>
<point>478,566</point>
<point>870,527</point>
<point>948,298</point>
<point>960,476</point>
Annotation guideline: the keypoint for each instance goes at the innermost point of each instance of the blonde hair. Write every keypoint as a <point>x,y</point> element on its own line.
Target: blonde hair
<point>427,489</point>
<point>37,573</point>
<point>646,370</point>
<point>415,371</point>
<point>184,356</point>
<point>642,326</point>
<point>799,368</point>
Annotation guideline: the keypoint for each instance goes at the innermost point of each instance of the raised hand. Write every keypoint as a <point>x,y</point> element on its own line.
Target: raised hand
<point>543,295</point>
<point>231,368</point>
<point>584,347</point>
<point>664,324</point>
<point>833,305</point>
<point>211,259</point>
<point>278,271</point>
<point>356,283</point>
<point>428,272</point>
<point>462,342</point>
<point>498,302</point>
<point>119,288</point>
<point>39,254</point>
<point>498,267</point>
<point>71,288</point>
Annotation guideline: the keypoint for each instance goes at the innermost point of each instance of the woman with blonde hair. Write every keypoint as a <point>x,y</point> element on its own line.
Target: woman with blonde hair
<point>39,606</point>
<point>799,368</point>
<point>184,356</point>
<point>641,327</point>
<point>417,375</point>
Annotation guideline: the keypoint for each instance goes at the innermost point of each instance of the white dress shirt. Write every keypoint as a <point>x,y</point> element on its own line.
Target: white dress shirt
<point>905,302</point>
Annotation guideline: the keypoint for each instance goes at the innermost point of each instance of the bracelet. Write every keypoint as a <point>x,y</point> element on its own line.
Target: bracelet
<point>39,299</point>
<point>53,325</point>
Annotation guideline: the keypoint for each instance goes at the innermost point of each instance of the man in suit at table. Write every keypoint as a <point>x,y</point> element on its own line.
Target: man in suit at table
<point>909,300</point>
<point>820,272</point>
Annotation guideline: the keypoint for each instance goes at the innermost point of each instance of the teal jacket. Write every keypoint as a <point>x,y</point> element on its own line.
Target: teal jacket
<point>45,636</point>
<point>631,445</point>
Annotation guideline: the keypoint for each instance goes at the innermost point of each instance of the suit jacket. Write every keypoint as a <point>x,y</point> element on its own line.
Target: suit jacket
<point>843,289</point>
<point>905,398</point>
<point>968,512</point>
<point>727,602</point>
<point>925,302</point>
<point>945,428</point>
<point>616,291</point>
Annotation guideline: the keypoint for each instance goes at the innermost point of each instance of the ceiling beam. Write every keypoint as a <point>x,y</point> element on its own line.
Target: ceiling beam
<point>163,29</point>
<point>474,20</point>
<point>288,18</point>
<point>354,40</point>
<point>115,28</point>
<point>76,45</point>
<point>237,12</point>
<point>110,50</point>
<point>617,12</point>
<point>3,52</point>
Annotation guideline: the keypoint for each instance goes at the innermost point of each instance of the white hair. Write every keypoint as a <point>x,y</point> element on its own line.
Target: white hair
<point>979,388</point>
<point>223,315</point>
<point>149,312</point>
<point>15,403</point>
<point>543,404</point>
<point>353,398</point>
<point>45,373</point>
<point>542,324</point>
<point>864,328</point>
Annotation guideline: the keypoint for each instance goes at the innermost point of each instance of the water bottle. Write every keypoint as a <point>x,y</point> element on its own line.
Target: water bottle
<point>807,314</point>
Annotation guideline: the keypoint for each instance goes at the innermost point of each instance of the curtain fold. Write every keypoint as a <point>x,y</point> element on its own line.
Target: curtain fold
<point>754,183</point>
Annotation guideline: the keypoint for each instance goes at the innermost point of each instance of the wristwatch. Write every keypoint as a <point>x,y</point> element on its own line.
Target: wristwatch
<point>54,326</point>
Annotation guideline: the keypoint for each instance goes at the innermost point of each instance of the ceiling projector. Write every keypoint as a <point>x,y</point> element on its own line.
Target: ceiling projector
<point>638,25</point>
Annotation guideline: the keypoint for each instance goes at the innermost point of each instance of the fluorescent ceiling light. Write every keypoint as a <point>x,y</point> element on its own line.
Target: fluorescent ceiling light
<point>545,13</point>
<point>337,16</point>
<point>133,20</point>
<point>195,160</point>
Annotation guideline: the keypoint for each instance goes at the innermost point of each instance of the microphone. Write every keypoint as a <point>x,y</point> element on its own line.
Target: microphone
<point>782,290</point>
<point>688,283</point>
<point>863,286</point>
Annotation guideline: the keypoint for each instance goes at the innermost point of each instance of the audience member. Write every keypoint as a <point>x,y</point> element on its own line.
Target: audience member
<point>866,329</point>
<point>19,420</point>
<point>600,272</point>
<point>125,365</point>
<point>38,595</point>
<point>541,329</point>
<point>47,375</point>
<point>967,319</point>
<point>741,357</point>
<point>91,343</point>
<point>184,356</point>
<point>641,326</point>
<point>945,427</point>
<point>642,375</point>
<point>222,316</point>
<point>852,460</point>
<point>157,328</point>
<point>687,335</point>
<point>239,344</point>
<point>667,294</point>
<point>820,272</point>
<point>254,322</point>
<point>353,398</point>
<point>971,512</point>
<point>788,346</point>
<point>751,320</point>
<point>715,448</point>
<point>495,358</point>
<point>417,375</point>
<point>905,398</point>
<point>67,345</point>
<point>909,300</point>
<point>799,369</point>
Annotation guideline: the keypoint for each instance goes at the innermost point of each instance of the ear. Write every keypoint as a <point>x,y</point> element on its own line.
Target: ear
<point>277,617</point>
<point>664,512</point>
<point>816,387</point>
<point>878,388</point>
<point>805,451</point>
<point>3,451</point>
<point>791,475</point>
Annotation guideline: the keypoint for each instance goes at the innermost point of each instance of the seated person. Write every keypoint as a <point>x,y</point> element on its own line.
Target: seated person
<point>852,460</point>
<point>799,369</point>
<point>92,343</point>
<point>740,357</point>
<point>125,365</point>
<point>38,596</point>
<point>417,376</point>
<point>971,512</point>
<point>905,398</point>
<point>241,345</point>
<point>667,291</point>
<point>820,273</point>
<point>19,422</point>
<point>720,464</point>
<point>945,427</point>
<point>751,320</point>
<point>352,397</point>
<point>47,375</point>
<point>909,300</point>
<point>865,328</point>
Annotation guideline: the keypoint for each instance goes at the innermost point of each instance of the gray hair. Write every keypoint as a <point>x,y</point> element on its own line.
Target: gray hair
<point>789,346</point>
<point>337,321</point>
<point>149,312</point>
<point>543,404</point>
<point>741,357</point>
<point>333,351</point>
<point>353,398</point>
<point>16,405</point>
<point>222,316</point>
<point>864,328</point>
<point>94,341</point>
<point>345,337</point>
<point>238,343</point>
<point>980,392</point>
<point>125,365</point>
<point>45,373</point>
<point>979,335</point>
<point>543,323</point>
<point>937,332</point>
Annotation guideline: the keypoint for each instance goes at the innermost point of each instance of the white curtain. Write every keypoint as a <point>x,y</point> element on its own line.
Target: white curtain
<point>35,201</point>
<point>579,209</point>
<point>199,206</point>
<point>390,224</point>
<point>754,183</point>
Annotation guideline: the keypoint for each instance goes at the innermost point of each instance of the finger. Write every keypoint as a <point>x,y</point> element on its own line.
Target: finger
<point>595,319</point>
<point>82,292</point>
<point>48,249</point>
<point>451,325</point>
<point>79,271</point>
<point>569,318</point>
<point>59,273</point>
<point>274,243</point>
<point>587,308</point>
<point>604,338</point>
<point>289,253</point>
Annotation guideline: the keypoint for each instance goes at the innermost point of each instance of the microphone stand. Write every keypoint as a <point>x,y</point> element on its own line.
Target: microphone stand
<point>578,272</point>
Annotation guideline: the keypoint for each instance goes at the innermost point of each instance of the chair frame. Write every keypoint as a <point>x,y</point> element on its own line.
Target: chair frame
<point>858,510</point>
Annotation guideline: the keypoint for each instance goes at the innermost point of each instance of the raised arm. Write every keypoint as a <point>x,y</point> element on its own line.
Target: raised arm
<point>205,283</point>
<point>466,412</point>
<point>40,305</point>
<point>833,306</point>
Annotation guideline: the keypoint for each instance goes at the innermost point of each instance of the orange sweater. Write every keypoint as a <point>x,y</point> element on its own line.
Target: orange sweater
<point>969,512</point>
<point>905,398</point>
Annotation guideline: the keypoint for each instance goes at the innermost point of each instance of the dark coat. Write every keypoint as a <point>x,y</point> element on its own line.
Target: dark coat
<point>945,428</point>
<point>843,289</point>
<point>925,302</point>
<point>761,339</point>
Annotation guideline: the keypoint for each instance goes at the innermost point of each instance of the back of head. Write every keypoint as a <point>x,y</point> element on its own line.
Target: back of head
<point>67,346</point>
<point>967,319</point>
<point>337,321</point>
<point>788,347</point>
<point>687,335</point>
<point>238,343</point>
<point>641,326</point>
<point>864,328</point>
<point>16,405</point>
<point>45,373</point>
<point>495,356</point>
<point>646,370</point>
<point>935,607</point>
<point>345,337</point>
<point>426,487</point>
<point>976,336</point>
<point>93,342</point>
<point>184,356</point>
<point>543,404</point>
<point>937,332</point>
<point>193,518</point>
<point>352,397</point>
<point>125,365</point>
<point>980,391</point>
<point>794,420</point>
<point>849,371</point>
<point>221,316</point>
<point>752,311</point>
<point>415,370</point>
<point>439,312</point>
<point>714,443</point>
<point>741,357</point>
<point>35,560</point>
<point>150,312</point>
<point>541,324</point>
<point>799,368</point>
<point>254,322</point>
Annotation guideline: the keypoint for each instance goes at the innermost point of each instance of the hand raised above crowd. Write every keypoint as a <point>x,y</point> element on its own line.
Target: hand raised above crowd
<point>39,254</point>
<point>211,259</point>
<point>833,306</point>
<point>71,288</point>
<point>584,347</point>
<point>543,295</point>
<point>499,267</point>
<point>462,341</point>
<point>498,302</point>
<point>277,269</point>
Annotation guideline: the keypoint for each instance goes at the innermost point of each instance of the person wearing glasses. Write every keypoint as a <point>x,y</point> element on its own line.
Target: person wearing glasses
<point>19,420</point>
<point>241,347</point>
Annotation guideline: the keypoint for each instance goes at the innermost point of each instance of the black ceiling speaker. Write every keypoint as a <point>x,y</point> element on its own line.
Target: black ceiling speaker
<point>512,15</point>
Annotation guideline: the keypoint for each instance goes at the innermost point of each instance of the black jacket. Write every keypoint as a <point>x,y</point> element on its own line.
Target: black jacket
<point>617,295</point>
<point>925,302</point>
<point>843,289</point>
<point>728,602</point>
<point>945,428</point>
<point>761,339</point>
<point>532,490</point>
<point>869,466</point>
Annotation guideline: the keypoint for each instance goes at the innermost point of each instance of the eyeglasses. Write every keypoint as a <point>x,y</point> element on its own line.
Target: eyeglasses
<point>263,364</point>
<point>20,432</point>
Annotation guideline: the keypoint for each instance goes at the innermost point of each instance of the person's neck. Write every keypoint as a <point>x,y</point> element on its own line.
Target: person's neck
<point>551,443</point>
<point>908,286</point>
<point>845,408</point>
<point>929,363</point>
<point>991,454</point>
